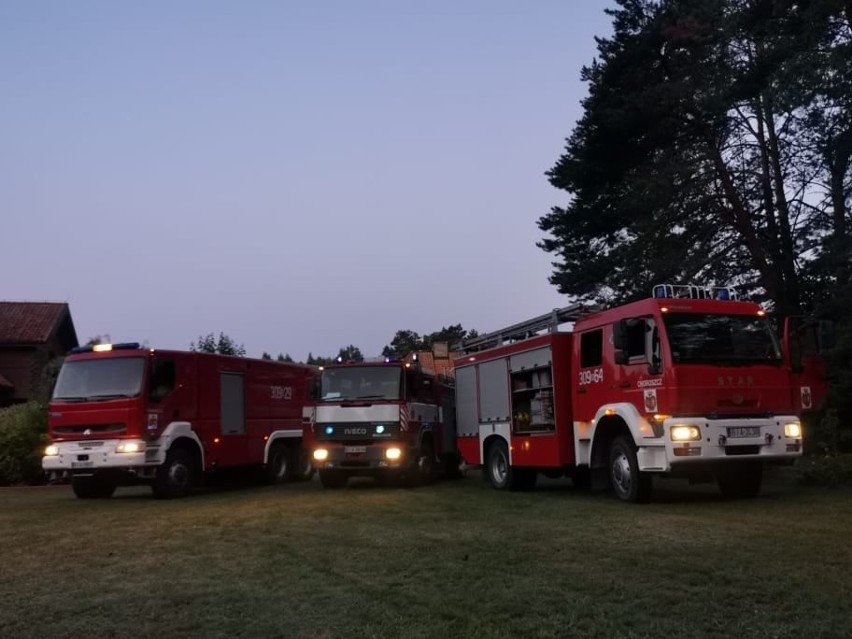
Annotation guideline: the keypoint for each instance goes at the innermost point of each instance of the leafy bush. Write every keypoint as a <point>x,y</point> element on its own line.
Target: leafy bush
<point>825,470</point>
<point>23,435</point>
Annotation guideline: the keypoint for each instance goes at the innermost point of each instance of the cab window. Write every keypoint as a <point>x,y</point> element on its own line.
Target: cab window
<point>162,380</point>
<point>591,348</point>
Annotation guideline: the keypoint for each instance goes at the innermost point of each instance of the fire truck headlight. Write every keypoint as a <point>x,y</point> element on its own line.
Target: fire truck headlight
<point>320,454</point>
<point>685,433</point>
<point>793,430</point>
<point>130,446</point>
<point>393,453</point>
<point>51,451</point>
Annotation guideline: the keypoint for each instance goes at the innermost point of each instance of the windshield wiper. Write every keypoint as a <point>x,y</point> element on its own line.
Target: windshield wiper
<point>109,396</point>
<point>371,397</point>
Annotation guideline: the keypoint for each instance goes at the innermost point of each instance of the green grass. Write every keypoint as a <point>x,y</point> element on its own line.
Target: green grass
<point>456,559</point>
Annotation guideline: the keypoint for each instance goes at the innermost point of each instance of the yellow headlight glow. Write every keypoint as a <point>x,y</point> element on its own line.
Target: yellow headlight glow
<point>393,453</point>
<point>51,451</point>
<point>685,433</point>
<point>793,430</point>
<point>320,454</point>
<point>130,447</point>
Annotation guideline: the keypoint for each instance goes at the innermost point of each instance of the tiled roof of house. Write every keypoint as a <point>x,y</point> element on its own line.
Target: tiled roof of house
<point>436,365</point>
<point>30,322</point>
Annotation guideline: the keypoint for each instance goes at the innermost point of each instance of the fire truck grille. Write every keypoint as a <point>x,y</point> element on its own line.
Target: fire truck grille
<point>743,403</point>
<point>93,429</point>
<point>742,450</point>
<point>354,464</point>
<point>368,432</point>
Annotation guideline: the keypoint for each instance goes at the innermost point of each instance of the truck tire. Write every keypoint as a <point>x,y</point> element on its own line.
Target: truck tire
<point>332,479</point>
<point>740,480</point>
<point>175,477</point>
<point>277,465</point>
<point>498,470</point>
<point>424,472</point>
<point>304,468</point>
<point>500,473</point>
<point>628,482</point>
<point>92,487</point>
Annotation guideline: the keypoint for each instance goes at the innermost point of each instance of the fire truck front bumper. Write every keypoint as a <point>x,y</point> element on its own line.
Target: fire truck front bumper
<point>88,457</point>
<point>365,458</point>
<point>697,440</point>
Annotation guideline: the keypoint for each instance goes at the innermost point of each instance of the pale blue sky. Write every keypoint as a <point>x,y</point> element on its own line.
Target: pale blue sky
<point>300,175</point>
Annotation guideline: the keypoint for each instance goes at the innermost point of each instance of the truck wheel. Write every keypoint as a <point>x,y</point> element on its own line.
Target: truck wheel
<point>425,471</point>
<point>627,481</point>
<point>175,477</point>
<point>277,465</point>
<point>497,468</point>
<point>92,487</point>
<point>740,480</point>
<point>304,470</point>
<point>332,479</point>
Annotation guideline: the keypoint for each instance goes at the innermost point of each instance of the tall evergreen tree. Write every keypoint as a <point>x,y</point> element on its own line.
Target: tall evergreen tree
<point>696,161</point>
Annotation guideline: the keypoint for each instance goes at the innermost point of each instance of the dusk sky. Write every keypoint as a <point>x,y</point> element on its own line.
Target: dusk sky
<point>298,175</point>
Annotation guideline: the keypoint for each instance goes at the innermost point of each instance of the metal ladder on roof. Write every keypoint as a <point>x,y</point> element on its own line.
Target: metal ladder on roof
<point>523,330</point>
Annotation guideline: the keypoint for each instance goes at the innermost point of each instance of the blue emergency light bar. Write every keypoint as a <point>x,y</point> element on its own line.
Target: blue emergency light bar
<point>102,348</point>
<point>690,291</point>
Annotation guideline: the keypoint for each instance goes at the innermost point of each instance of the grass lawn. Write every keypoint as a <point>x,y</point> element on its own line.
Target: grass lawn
<point>456,559</point>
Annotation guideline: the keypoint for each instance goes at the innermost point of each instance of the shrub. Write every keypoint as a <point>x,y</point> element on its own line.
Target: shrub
<point>23,435</point>
<point>825,470</point>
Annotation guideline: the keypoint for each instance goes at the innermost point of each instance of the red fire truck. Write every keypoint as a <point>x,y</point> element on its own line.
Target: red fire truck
<point>121,414</point>
<point>691,382</point>
<point>390,420</point>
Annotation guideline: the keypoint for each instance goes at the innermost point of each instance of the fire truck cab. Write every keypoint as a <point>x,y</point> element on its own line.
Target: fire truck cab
<point>388,419</point>
<point>122,415</point>
<point>691,382</point>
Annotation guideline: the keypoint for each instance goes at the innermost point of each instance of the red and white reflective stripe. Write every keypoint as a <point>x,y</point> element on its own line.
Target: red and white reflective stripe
<point>403,417</point>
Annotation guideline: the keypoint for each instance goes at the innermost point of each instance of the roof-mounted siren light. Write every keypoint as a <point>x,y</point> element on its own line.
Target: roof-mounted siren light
<point>105,348</point>
<point>725,293</point>
<point>692,291</point>
<point>662,291</point>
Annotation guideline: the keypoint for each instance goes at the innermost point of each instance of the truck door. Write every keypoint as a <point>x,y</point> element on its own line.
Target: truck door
<point>804,340</point>
<point>638,364</point>
<point>591,382</point>
<point>233,445</point>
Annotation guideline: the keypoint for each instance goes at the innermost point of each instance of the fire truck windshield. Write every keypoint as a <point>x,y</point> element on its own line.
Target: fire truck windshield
<point>721,340</point>
<point>360,382</point>
<point>100,379</point>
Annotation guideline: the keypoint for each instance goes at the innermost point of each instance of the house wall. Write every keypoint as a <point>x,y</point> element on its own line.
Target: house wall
<point>23,366</point>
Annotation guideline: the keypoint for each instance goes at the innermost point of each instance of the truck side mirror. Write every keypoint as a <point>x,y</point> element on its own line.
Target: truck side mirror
<point>619,335</point>
<point>655,361</point>
<point>619,342</point>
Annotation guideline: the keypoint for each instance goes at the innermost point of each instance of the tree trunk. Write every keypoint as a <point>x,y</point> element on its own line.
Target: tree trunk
<point>790,302</point>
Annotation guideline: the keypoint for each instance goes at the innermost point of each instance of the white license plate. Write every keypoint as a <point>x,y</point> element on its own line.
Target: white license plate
<point>85,464</point>
<point>354,450</point>
<point>744,431</point>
